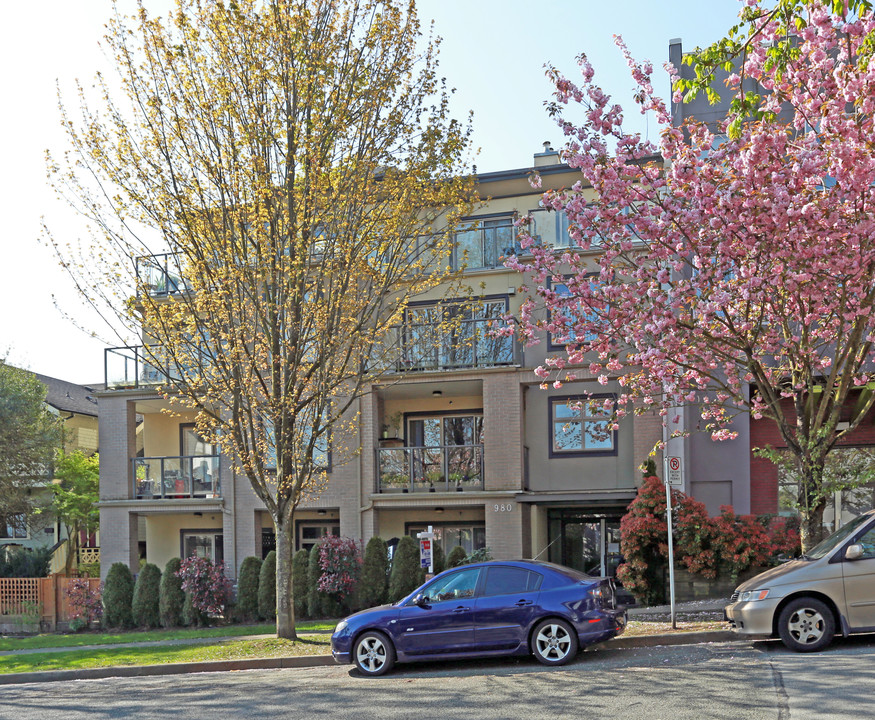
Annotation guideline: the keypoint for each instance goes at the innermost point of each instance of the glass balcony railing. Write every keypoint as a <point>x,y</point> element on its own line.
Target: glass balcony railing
<point>465,344</point>
<point>127,367</point>
<point>160,275</point>
<point>446,468</point>
<point>161,478</point>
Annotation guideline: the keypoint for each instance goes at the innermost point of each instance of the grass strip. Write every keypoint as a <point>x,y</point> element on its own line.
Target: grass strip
<point>36,642</point>
<point>115,657</point>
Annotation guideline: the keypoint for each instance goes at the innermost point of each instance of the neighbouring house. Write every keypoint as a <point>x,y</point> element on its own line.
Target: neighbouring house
<point>76,406</point>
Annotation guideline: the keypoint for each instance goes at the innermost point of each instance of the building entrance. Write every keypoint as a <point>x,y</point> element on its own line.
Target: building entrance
<point>585,540</point>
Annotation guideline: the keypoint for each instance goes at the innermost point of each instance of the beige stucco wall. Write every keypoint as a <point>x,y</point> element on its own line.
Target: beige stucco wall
<point>161,433</point>
<point>162,533</point>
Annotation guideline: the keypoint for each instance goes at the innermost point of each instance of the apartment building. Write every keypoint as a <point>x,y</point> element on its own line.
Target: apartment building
<point>459,436</point>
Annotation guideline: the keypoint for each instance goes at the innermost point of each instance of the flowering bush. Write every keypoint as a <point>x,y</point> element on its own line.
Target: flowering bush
<point>85,602</point>
<point>719,547</point>
<point>205,583</point>
<point>340,560</point>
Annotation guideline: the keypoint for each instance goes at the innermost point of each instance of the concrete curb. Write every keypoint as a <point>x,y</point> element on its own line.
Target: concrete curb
<point>307,661</point>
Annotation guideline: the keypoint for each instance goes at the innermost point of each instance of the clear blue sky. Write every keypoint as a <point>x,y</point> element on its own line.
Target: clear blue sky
<point>493,54</point>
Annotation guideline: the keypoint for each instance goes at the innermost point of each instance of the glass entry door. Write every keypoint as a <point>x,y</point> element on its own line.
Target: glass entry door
<point>586,542</point>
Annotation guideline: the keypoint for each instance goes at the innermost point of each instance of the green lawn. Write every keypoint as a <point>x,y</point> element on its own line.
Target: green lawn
<point>35,642</point>
<point>114,657</point>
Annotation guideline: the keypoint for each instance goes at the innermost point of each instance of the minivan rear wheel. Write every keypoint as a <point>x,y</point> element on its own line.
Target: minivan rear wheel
<point>806,624</point>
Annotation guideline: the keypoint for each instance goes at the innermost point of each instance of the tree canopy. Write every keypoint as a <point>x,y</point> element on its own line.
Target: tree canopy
<point>735,274</point>
<point>29,436</point>
<point>76,493</point>
<point>297,163</point>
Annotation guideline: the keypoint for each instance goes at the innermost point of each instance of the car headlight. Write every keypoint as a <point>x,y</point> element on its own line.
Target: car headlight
<point>340,626</point>
<point>751,595</point>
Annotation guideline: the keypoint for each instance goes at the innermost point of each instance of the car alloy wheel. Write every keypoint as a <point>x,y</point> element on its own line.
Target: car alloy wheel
<point>554,642</point>
<point>806,625</point>
<point>374,654</point>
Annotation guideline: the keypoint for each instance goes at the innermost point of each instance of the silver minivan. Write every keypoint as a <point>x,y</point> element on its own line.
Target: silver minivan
<point>805,602</point>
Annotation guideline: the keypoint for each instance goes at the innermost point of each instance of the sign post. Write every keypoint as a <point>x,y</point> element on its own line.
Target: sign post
<point>426,554</point>
<point>674,475</point>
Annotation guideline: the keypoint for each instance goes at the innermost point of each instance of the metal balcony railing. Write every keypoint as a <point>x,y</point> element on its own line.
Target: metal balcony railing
<point>445,468</point>
<point>127,367</point>
<point>465,344</point>
<point>191,476</point>
<point>160,275</point>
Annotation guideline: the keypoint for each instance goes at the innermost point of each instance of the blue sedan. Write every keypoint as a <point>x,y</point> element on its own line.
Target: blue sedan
<point>492,608</point>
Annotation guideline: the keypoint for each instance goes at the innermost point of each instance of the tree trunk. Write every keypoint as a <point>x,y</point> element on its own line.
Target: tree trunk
<point>811,526</point>
<point>811,504</point>
<point>72,549</point>
<point>285,605</point>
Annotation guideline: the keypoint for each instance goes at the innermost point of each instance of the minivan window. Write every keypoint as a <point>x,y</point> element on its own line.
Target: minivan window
<point>836,539</point>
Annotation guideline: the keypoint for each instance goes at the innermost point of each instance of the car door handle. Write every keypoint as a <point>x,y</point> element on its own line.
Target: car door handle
<point>460,609</point>
<point>523,603</point>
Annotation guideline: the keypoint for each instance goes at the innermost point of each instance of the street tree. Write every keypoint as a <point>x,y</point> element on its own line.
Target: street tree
<point>736,275</point>
<point>29,437</point>
<point>75,496</point>
<point>297,161</point>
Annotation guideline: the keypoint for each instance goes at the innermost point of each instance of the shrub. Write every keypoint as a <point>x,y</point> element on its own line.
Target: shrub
<point>144,607</point>
<point>484,554</point>
<point>438,561</point>
<point>118,594</point>
<point>725,546</point>
<point>206,584</point>
<point>457,557</point>
<point>267,588</point>
<point>171,598</point>
<point>300,561</point>
<point>374,579</point>
<point>21,562</point>
<point>85,602</point>
<point>91,570</point>
<point>340,560</point>
<point>314,571</point>
<point>406,571</point>
<point>191,616</point>
<point>247,588</point>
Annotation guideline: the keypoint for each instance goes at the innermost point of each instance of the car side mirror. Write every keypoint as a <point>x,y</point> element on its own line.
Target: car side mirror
<point>854,552</point>
<point>421,600</point>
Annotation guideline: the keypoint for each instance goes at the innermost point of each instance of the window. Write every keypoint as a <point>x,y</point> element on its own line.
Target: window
<point>193,445</point>
<point>486,244</point>
<point>310,533</point>
<point>470,536</point>
<point>867,540</point>
<point>14,526</point>
<point>508,580</point>
<point>459,585</point>
<point>203,543</point>
<point>580,425</point>
<point>562,321</point>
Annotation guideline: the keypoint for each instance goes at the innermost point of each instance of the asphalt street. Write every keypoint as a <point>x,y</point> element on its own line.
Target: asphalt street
<point>747,681</point>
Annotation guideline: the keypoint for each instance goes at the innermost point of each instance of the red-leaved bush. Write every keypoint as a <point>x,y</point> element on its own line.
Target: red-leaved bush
<point>206,583</point>
<point>721,547</point>
<point>85,602</point>
<point>340,559</point>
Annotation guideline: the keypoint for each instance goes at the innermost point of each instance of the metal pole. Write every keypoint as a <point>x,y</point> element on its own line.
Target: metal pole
<point>668,518</point>
<point>431,540</point>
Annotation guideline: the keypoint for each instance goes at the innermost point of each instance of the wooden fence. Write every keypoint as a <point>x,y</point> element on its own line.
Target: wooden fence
<point>22,599</point>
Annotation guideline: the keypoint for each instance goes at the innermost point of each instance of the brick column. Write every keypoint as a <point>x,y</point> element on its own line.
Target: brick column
<point>118,539</point>
<point>502,432</point>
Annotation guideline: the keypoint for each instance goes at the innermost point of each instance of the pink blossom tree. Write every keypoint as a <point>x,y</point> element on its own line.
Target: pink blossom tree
<point>735,271</point>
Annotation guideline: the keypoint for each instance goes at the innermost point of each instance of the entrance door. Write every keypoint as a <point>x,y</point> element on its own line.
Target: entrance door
<point>586,542</point>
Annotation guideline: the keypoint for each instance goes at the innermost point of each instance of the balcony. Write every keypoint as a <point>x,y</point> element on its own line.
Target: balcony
<point>464,345</point>
<point>160,275</point>
<point>127,367</point>
<point>162,478</point>
<point>446,468</point>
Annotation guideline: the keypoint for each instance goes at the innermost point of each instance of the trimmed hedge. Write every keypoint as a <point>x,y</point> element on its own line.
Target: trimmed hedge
<point>267,588</point>
<point>374,584</point>
<point>314,572</point>
<point>300,561</point>
<point>406,573</point>
<point>118,595</point>
<point>171,598</point>
<point>457,557</point>
<point>144,607</point>
<point>248,584</point>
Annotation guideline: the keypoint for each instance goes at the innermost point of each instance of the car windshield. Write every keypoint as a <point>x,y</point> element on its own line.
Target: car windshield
<point>836,539</point>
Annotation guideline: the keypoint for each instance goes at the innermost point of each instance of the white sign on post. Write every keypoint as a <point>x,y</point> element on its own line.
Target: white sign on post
<point>674,475</point>
<point>425,549</point>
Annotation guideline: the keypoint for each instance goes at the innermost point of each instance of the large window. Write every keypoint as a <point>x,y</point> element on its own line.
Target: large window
<point>14,526</point>
<point>193,445</point>
<point>311,532</point>
<point>203,543</point>
<point>562,321</point>
<point>471,536</point>
<point>487,244</point>
<point>581,426</point>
